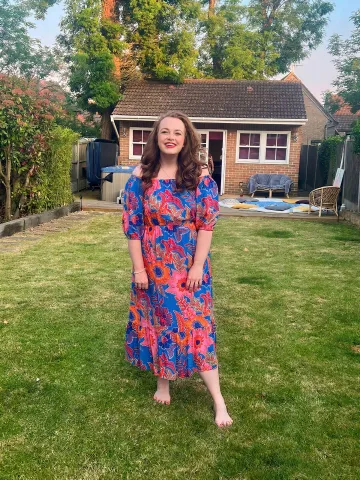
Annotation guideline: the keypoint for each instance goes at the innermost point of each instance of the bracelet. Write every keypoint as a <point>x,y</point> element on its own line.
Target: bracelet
<point>139,271</point>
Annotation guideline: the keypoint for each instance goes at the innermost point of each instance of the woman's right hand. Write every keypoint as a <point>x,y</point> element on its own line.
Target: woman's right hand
<point>141,280</point>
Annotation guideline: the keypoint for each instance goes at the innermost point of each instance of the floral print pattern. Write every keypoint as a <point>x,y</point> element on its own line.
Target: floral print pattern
<point>170,330</point>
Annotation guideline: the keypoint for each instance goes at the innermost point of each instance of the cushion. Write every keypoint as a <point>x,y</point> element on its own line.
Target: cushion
<point>244,206</point>
<point>277,207</point>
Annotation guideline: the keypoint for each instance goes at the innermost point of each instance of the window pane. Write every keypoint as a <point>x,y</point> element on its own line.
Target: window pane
<point>255,139</point>
<point>146,134</point>
<point>282,140</point>
<point>270,153</point>
<point>254,153</point>
<point>137,149</point>
<point>244,139</point>
<point>203,138</point>
<point>137,135</point>
<point>244,153</point>
<point>271,140</point>
<point>281,154</point>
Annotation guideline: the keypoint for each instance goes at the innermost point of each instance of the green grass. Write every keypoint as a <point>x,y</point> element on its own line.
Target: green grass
<point>287,312</point>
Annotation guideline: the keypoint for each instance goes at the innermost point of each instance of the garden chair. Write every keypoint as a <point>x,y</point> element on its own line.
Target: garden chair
<point>324,198</point>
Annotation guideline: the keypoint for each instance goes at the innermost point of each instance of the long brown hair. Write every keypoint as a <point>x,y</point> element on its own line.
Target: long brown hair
<point>189,163</point>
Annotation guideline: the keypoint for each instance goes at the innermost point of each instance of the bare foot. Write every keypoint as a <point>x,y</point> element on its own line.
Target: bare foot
<point>222,418</point>
<point>162,394</point>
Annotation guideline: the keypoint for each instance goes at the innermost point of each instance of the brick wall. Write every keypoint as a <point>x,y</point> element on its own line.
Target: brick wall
<point>235,172</point>
<point>317,120</point>
<point>241,172</point>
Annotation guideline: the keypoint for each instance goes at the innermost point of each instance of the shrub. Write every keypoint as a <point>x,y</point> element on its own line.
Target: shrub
<point>327,157</point>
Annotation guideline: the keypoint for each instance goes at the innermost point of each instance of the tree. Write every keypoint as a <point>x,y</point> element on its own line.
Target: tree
<point>162,36</point>
<point>230,49</point>
<point>332,102</point>
<point>347,62</point>
<point>89,43</point>
<point>291,28</point>
<point>19,53</point>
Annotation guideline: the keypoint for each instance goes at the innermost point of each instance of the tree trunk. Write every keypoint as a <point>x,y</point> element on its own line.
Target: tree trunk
<point>212,7</point>
<point>106,126</point>
<point>23,197</point>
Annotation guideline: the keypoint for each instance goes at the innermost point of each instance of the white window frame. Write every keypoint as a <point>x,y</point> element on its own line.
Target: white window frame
<point>131,136</point>
<point>262,153</point>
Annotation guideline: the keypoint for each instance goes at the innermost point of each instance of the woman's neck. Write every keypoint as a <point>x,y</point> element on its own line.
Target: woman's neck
<point>169,161</point>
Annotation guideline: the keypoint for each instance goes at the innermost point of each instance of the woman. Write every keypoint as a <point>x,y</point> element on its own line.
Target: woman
<point>170,209</point>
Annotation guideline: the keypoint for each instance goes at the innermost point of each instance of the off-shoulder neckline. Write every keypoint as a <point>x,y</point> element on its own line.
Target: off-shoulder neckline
<point>168,179</point>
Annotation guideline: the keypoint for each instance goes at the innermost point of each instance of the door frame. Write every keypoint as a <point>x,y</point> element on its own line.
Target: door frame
<point>223,162</point>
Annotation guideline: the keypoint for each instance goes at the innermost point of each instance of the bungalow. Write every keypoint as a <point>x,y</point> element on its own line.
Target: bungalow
<point>247,126</point>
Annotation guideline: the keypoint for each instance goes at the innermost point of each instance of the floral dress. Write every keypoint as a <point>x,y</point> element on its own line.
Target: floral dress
<point>171,330</point>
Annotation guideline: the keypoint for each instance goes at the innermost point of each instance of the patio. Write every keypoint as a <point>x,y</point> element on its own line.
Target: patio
<point>91,202</point>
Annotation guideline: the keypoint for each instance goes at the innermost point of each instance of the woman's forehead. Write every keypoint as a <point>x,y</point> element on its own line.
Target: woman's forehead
<point>172,124</point>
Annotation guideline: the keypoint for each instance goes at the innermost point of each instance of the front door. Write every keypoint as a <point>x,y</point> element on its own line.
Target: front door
<point>213,143</point>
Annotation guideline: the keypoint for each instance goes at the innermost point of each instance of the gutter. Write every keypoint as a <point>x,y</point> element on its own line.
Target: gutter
<point>272,121</point>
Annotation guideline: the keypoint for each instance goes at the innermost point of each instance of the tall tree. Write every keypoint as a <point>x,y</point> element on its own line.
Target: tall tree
<point>230,49</point>
<point>347,61</point>
<point>90,42</point>
<point>19,53</point>
<point>162,35</point>
<point>291,28</point>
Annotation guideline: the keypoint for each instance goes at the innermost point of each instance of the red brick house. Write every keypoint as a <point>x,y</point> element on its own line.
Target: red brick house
<point>247,126</point>
<point>345,119</point>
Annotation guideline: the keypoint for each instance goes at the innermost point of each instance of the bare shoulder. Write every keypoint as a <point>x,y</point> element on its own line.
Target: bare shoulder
<point>204,171</point>
<point>137,171</point>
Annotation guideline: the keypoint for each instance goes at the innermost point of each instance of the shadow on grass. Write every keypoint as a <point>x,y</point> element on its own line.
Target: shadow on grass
<point>275,233</point>
<point>262,281</point>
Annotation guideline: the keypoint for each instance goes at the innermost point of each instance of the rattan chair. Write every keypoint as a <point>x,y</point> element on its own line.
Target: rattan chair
<point>324,198</point>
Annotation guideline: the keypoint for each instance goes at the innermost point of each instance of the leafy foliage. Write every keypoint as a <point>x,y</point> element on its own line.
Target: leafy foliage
<point>327,157</point>
<point>19,53</point>
<point>332,102</point>
<point>54,183</point>
<point>347,62</point>
<point>291,28</point>
<point>28,110</point>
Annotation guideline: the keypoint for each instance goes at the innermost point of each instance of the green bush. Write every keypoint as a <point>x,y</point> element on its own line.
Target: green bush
<point>327,158</point>
<point>54,179</point>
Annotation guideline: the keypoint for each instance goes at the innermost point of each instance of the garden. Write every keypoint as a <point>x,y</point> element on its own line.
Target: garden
<point>287,311</point>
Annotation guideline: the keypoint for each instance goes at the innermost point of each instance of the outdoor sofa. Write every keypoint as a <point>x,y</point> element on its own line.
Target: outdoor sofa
<point>269,182</point>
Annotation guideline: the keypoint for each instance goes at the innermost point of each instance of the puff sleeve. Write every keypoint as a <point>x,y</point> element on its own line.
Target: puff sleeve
<point>207,204</point>
<point>133,213</point>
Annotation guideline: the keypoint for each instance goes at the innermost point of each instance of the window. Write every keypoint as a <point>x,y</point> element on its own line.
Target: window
<point>262,147</point>
<point>249,146</point>
<point>138,138</point>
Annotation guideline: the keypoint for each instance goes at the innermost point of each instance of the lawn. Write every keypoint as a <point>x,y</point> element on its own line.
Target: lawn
<point>287,303</point>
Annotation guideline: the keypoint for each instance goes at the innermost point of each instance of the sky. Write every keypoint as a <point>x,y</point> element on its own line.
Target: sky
<point>317,71</point>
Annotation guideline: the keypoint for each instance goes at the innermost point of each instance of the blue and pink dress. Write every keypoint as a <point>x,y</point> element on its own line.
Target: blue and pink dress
<point>171,330</point>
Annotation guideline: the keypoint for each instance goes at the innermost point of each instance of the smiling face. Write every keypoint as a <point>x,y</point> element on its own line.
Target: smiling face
<point>171,135</point>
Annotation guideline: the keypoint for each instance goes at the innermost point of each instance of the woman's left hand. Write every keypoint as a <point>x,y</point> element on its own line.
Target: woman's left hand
<point>194,278</point>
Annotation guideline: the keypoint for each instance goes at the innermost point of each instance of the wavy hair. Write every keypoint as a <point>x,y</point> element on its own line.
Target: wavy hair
<point>189,162</point>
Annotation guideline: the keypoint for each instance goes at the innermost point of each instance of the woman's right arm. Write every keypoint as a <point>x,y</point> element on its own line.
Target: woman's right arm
<point>133,227</point>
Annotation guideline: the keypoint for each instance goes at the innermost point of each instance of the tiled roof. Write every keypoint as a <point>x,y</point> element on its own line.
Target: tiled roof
<point>345,122</point>
<point>225,99</point>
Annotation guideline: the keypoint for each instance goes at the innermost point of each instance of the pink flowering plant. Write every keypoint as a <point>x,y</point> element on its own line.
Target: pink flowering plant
<point>28,110</point>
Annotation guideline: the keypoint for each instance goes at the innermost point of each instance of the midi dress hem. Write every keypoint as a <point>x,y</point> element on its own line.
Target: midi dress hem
<point>188,374</point>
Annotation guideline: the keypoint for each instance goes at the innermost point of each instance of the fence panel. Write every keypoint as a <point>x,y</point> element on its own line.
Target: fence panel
<point>351,182</point>
<point>78,167</point>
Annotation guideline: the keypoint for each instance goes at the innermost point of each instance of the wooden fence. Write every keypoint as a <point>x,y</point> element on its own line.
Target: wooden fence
<point>78,167</point>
